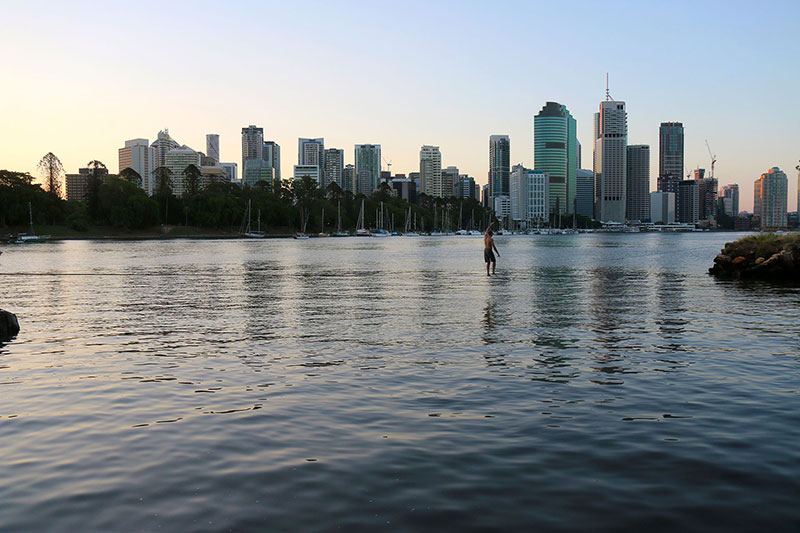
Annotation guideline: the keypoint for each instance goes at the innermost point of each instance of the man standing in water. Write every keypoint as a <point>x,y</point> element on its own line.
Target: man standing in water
<point>488,245</point>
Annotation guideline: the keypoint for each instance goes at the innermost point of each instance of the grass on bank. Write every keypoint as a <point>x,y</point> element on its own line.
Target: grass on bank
<point>763,244</point>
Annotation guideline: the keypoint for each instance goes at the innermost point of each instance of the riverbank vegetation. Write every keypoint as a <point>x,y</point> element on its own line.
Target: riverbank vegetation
<point>767,256</point>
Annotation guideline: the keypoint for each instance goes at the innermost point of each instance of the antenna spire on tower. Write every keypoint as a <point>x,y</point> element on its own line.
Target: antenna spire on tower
<point>608,94</point>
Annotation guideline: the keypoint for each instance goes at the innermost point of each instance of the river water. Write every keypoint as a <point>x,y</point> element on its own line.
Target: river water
<point>597,382</point>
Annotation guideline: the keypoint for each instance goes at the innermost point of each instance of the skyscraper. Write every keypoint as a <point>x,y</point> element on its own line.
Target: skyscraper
<point>687,201</point>
<point>163,144</point>
<point>670,150</point>
<point>138,155</point>
<point>334,167</point>
<point>499,166</point>
<point>729,200</point>
<point>584,193</point>
<point>449,180</point>
<point>271,154</point>
<point>368,167</point>
<point>555,151</point>
<point>212,147</point>
<point>637,176</point>
<point>662,207</point>
<point>252,145</point>
<point>311,151</point>
<point>530,196</point>
<point>349,178</point>
<point>430,170</point>
<point>772,192</point>
<point>610,154</point>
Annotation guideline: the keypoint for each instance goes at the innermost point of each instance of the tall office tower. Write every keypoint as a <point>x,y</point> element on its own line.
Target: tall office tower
<point>177,160</point>
<point>163,144</point>
<point>771,190</point>
<point>637,177</point>
<point>212,147</point>
<point>349,178</point>
<point>252,144</point>
<point>708,198</point>
<point>334,167</point>
<point>555,151</point>
<point>449,180</point>
<point>530,197</point>
<point>368,167</point>
<point>662,207</point>
<point>138,155</point>
<point>670,150</point>
<point>465,188</point>
<point>499,166</point>
<point>578,153</point>
<point>485,196</point>
<point>271,154</point>
<point>430,170</point>
<point>687,201</point>
<point>611,139</point>
<point>257,170</point>
<point>728,201</point>
<point>311,152</point>
<point>584,193</point>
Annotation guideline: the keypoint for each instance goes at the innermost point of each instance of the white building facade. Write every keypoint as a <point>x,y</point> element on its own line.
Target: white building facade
<point>530,197</point>
<point>430,171</point>
<point>610,161</point>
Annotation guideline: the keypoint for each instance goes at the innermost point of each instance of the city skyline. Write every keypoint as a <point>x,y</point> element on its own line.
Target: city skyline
<point>713,87</point>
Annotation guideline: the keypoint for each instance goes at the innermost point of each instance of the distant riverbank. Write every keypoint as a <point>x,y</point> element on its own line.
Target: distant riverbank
<point>65,233</point>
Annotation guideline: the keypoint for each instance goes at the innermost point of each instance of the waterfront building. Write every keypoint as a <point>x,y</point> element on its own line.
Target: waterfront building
<point>530,197</point>
<point>662,207</point>
<point>502,208</point>
<point>349,178</point>
<point>177,160</point>
<point>257,170</point>
<point>584,193</point>
<point>637,177</point>
<point>670,152</point>
<point>729,200</point>
<point>163,144</point>
<point>252,144</point>
<point>499,166</point>
<point>312,171</point>
<point>611,139</point>
<point>555,151</point>
<point>772,193</point>
<point>212,148</point>
<point>334,167</point>
<point>465,187</point>
<point>687,202</point>
<point>449,180</point>
<point>139,156</point>
<point>708,198</point>
<point>368,167</point>
<point>404,188</point>
<point>430,170</point>
<point>77,184</point>
<point>271,153</point>
<point>231,170</point>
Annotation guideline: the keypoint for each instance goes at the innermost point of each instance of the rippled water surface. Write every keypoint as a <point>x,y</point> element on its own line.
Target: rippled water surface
<point>597,382</point>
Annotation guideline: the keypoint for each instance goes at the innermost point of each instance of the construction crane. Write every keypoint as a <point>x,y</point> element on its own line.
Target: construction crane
<point>388,164</point>
<point>713,159</point>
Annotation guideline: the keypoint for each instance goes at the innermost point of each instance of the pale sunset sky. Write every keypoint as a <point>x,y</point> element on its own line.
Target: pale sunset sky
<point>80,78</point>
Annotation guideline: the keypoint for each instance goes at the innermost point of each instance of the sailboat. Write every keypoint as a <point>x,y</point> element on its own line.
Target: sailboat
<point>361,231</point>
<point>31,237</point>
<point>339,232</point>
<point>461,230</point>
<point>408,232</point>
<point>436,231</point>
<point>472,230</point>
<point>380,231</point>
<point>248,232</point>
<point>322,226</point>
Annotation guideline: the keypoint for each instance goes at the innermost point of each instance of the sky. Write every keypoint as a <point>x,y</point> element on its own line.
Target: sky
<point>80,78</point>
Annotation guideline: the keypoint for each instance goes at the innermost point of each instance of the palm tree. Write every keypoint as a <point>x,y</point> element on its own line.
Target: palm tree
<point>128,174</point>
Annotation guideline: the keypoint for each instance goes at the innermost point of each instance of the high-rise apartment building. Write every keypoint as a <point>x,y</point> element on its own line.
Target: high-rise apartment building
<point>687,201</point>
<point>728,202</point>
<point>662,207</point>
<point>530,197</point>
<point>499,166</point>
<point>212,148</point>
<point>449,180</point>
<point>555,151</point>
<point>137,155</point>
<point>771,194</point>
<point>368,167</point>
<point>334,167</point>
<point>708,198</point>
<point>163,144</point>
<point>252,144</point>
<point>271,154</point>
<point>670,150</point>
<point>349,178</point>
<point>430,170</point>
<point>311,151</point>
<point>637,176</point>
<point>584,193</point>
<point>610,154</point>
<point>177,160</point>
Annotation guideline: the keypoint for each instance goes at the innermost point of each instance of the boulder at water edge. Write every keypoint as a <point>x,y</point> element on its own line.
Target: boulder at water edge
<point>9,326</point>
<point>767,257</point>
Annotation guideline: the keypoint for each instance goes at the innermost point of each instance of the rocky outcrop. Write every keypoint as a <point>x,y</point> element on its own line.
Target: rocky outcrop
<point>9,326</point>
<point>767,257</point>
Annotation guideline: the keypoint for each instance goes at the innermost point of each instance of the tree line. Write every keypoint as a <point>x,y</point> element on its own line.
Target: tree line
<point>282,206</point>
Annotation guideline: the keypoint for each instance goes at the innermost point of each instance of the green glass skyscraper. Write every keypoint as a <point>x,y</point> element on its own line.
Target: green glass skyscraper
<point>555,151</point>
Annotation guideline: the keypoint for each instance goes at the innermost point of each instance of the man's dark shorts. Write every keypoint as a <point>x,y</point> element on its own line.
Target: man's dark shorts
<point>488,255</point>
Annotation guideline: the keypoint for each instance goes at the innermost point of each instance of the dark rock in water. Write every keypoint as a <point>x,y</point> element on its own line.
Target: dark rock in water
<point>767,257</point>
<point>9,326</point>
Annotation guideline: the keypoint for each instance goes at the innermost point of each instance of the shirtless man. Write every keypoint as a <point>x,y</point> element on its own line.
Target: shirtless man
<point>488,245</point>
